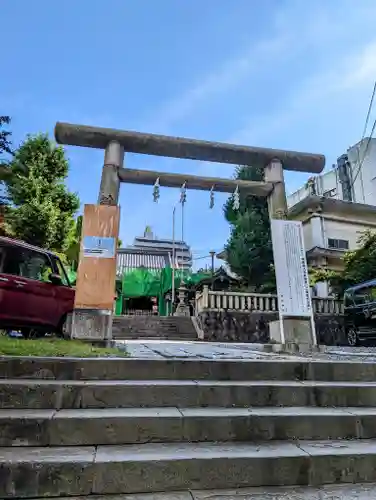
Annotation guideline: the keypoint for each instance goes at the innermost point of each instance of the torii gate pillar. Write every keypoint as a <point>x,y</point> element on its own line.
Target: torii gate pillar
<point>277,201</point>
<point>96,276</point>
<point>299,334</point>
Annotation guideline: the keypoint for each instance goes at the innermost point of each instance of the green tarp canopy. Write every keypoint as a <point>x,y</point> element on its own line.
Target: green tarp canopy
<point>141,283</point>
<point>144,282</point>
<point>72,276</point>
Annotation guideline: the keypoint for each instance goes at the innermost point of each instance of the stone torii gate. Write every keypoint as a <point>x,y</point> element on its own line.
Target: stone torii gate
<point>92,317</point>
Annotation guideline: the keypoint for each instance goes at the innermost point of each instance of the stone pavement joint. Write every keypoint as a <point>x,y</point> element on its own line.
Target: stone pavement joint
<point>336,492</point>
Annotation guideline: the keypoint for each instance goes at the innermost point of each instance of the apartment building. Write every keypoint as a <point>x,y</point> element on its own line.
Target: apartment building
<point>331,227</point>
<point>149,243</point>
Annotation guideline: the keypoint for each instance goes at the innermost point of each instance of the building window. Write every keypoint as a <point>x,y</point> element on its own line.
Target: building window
<point>331,193</point>
<point>338,244</point>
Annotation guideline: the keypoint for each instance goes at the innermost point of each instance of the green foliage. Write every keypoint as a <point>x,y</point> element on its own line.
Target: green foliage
<point>249,248</point>
<point>359,266</point>
<point>42,209</point>
<point>5,143</point>
<point>73,250</point>
<point>5,147</point>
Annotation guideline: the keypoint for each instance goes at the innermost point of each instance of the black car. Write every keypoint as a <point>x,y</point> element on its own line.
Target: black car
<point>360,313</point>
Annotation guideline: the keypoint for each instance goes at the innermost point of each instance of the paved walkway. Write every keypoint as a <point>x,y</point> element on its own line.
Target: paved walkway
<point>202,350</point>
<point>164,349</point>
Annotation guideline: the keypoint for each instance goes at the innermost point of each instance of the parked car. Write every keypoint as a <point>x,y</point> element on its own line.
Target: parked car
<point>35,294</point>
<point>360,313</point>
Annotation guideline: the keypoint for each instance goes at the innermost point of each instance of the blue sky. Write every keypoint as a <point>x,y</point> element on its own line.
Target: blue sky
<point>288,74</point>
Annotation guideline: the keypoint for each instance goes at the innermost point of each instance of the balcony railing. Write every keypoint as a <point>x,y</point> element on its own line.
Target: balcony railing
<point>247,302</point>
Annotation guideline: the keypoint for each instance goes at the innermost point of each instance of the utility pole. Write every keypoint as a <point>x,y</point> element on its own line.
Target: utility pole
<point>182,222</point>
<point>212,254</point>
<point>173,260</point>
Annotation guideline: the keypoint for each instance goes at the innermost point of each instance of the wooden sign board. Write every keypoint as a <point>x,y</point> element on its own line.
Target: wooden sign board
<point>95,286</point>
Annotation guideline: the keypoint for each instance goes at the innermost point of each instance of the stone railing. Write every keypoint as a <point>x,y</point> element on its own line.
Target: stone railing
<point>208,300</point>
<point>327,305</point>
<point>139,312</point>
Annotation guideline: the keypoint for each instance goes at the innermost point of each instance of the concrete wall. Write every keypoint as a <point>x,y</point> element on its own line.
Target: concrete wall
<point>307,234</point>
<point>323,183</point>
<point>318,229</point>
<point>345,231</point>
<point>296,196</point>
<point>254,327</point>
<point>364,189</point>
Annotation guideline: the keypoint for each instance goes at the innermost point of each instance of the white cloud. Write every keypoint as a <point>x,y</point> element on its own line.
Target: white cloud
<point>350,73</point>
<point>293,28</point>
<point>219,81</point>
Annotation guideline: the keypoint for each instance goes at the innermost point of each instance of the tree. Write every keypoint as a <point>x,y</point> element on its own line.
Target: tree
<point>73,250</point>
<point>249,249</point>
<point>5,143</point>
<point>5,147</point>
<point>42,209</point>
<point>359,266</point>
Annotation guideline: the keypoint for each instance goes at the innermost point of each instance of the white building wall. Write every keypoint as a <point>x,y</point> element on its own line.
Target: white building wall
<point>364,187</point>
<point>325,185</point>
<point>364,183</point>
<point>307,235</point>
<point>313,233</point>
<point>317,231</point>
<point>344,231</point>
<point>297,196</point>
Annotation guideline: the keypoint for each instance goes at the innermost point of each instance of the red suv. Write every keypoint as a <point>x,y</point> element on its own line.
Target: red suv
<point>35,293</point>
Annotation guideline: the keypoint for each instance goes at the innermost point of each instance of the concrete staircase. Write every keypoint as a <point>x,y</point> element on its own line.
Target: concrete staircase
<point>78,428</point>
<point>153,327</point>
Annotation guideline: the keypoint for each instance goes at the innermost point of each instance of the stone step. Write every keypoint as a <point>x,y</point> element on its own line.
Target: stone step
<point>153,336</point>
<point>185,369</point>
<point>60,394</point>
<point>154,326</point>
<point>365,491</point>
<point>146,337</point>
<point>63,394</point>
<point>31,472</point>
<point>140,425</point>
<point>167,329</point>
<point>153,333</point>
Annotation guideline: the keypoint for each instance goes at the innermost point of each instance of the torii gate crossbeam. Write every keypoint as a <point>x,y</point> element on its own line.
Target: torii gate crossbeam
<point>181,147</point>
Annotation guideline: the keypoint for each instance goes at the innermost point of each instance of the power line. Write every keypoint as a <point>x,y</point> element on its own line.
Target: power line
<point>369,111</point>
<point>364,154</point>
<point>204,257</point>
